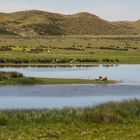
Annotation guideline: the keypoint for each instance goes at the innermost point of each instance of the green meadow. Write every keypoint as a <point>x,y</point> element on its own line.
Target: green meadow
<point>70,50</point>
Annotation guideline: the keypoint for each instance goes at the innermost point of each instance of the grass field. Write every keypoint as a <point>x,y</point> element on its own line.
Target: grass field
<point>111,121</point>
<point>70,50</point>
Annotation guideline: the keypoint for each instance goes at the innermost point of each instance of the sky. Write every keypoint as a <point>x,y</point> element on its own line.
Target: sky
<point>112,10</point>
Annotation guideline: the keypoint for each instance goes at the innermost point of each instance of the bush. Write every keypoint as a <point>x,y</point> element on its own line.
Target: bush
<point>3,119</point>
<point>10,75</point>
<point>108,60</point>
<point>113,48</point>
<point>87,60</point>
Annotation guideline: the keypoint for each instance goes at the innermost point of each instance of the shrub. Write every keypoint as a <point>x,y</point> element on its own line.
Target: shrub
<point>10,75</point>
<point>87,60</point>
<point>107,60</point>
<point>3,119</point>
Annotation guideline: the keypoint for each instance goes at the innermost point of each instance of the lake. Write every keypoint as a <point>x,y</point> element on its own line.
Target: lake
<point>59,96</point>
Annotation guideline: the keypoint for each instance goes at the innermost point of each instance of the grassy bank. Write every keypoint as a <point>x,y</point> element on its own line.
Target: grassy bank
<point>14,78</point>
<point>70,50</point>
<point>120,121</point>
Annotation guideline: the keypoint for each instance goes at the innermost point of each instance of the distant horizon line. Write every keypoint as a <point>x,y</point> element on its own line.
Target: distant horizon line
<point>65,14</point>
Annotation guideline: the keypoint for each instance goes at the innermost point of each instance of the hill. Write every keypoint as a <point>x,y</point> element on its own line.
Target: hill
<point>34,23</point>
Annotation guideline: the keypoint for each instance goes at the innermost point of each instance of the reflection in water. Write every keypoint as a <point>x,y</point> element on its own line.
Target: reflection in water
<point>53,96</point>
<point>48,66</point>
<point>56,66</point>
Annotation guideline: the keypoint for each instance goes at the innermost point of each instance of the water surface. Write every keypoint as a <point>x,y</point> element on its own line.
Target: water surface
<point>59,96</point>
<point>127,73</point>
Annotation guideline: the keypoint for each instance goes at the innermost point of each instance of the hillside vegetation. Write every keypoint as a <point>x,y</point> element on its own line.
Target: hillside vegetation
<point>35,23</point>
<point>37,37</point>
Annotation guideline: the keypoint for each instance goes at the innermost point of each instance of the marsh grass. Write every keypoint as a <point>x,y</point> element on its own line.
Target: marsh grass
<point>120,112</point>
<point>109,121</point>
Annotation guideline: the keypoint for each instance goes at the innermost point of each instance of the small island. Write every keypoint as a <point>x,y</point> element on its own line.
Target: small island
<point>15,78</point>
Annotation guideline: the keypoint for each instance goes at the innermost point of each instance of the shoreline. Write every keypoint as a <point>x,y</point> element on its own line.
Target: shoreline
<point>28,81</point>
<point>65,65</point>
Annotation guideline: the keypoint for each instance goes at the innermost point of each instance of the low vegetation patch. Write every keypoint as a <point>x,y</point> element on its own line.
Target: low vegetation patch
<point>14,78</point>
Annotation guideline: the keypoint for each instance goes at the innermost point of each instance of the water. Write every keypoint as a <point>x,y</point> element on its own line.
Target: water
<point>127,73</point>
<point>59,96</point>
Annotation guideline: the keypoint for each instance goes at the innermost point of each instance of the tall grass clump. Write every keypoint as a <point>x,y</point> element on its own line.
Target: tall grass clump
<point>114,113</point>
